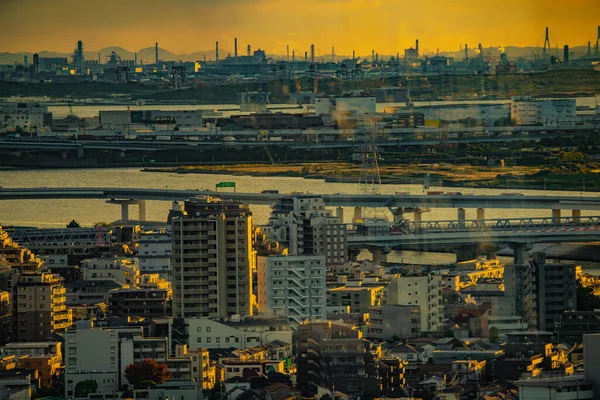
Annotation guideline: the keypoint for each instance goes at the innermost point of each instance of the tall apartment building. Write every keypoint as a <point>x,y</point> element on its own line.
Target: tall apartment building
<point>542,291</point>
<point>39,307</point>
<point>213,259</point>
<point>303,224</point>
<point>424,291</point>
<point>294,287</point>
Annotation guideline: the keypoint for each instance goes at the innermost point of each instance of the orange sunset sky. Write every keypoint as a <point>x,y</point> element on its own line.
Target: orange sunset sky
<point>388,26</point>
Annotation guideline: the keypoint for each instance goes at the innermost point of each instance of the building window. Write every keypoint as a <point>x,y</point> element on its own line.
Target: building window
<point>208,329</point>
<point>199,340</point>
<point>199,329</point>
<point>208,340</point>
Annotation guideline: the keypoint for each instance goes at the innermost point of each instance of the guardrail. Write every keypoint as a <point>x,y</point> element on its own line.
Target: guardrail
<point>504,224</point>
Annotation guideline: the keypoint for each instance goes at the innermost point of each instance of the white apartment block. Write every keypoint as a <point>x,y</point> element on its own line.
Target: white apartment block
<point>154,253</point>
<point>303,224</point>
<point>238,333</point>
<point>293,287</point>
<point>424,291</point>
<point>102,354</point>
<point>122,270</point>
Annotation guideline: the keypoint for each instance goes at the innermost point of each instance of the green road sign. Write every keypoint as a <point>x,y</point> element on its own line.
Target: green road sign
<point>226,184</point>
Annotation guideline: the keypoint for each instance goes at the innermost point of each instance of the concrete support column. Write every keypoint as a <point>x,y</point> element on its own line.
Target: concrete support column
<point>480,217</point>
<point>576,216</point>
<point>490,251</point>
<point>357,214</point>
<point>461,217</point>
<point>142,210</point>
<point>339,212</point>
<point>124,211</point>
<point>377,254</point>
<point>466,252</point>
<point>417,217</point>
<point>556,216</point>
<point>521,252</point>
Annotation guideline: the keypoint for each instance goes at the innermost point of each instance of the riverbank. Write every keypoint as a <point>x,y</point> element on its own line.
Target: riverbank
<point>509,178</point>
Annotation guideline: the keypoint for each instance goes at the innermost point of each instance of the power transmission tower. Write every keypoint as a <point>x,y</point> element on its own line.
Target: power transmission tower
<point>370,178</point>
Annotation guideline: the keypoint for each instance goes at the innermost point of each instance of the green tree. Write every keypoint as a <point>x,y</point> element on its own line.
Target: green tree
<point>101,223</point>
<point>73,224</point>
<point>147,370</point>
<point>83,388</point>
<point>494,334</point>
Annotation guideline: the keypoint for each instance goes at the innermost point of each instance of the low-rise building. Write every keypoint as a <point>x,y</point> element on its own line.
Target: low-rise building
<point>235,332</point>
<point>154,252</point>
<point>124,271</point>
<point>360,298</point>
<point>424,291</point>
<point>138,302</point>
<point>389,321</point>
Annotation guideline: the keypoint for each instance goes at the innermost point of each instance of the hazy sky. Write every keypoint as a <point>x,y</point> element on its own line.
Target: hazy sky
<point>388,26</point>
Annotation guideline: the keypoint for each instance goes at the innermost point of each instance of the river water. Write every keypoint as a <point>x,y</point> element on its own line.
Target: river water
<point>57,213</point>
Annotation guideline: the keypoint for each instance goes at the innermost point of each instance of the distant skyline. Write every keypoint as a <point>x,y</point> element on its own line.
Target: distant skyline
<point>386,26</point>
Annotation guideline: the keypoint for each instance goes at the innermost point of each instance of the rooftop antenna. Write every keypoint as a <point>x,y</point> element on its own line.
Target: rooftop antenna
<point>546,41</point>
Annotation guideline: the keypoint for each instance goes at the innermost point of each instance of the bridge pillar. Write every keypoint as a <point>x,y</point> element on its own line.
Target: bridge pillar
<point>418,214</point>
<point>461,217</point>
<point>142,210</point>
<point>125,208</point>
<point>466,252</point>
<point>521,252</point>
<point>357,214</point>
<point>124,211</point>
<point>556,216</point>
<point>490,251</point>
<point>377,253</point>
<point>576,216</point>
<point>481,217</point>
<point>339,212</point>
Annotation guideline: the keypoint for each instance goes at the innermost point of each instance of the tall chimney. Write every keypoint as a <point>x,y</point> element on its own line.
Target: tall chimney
<point>36,64</point>
<point>156,51</point>
<point>332,53</point>
<point>417,47</point>
<point>312,53</point>
<point>217,53</point>
<point>249,49</point>
<point>287,51</point>
<point>235,47</point>
<point>305,56</point>
<point>353,58</point>
<point>135,58</point>
<point>566,54</point>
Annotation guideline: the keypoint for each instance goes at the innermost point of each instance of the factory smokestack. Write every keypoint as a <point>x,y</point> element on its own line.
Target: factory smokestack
<point>135,58</point>
<point>156,51</point>
<point>332,53</point>
<point>249,50</point>
<point>36,64</point>
<point>589,53</point>
<point>353,58</point>
<point>312,53</point>
<point>235,47</point>
<point>305,56</point>
<point>287,52</point>
<point>566,54</point>
<point>372,55</point>
<point>217,53</point>
<point>417,47</point>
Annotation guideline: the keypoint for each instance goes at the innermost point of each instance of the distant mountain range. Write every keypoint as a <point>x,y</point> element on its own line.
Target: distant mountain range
<point>147,55</point>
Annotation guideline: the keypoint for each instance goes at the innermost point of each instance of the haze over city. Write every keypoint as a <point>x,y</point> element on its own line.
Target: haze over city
<point>389,26</point>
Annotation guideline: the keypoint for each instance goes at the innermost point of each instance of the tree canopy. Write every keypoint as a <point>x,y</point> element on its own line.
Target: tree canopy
<point>147,370</point>
<point>73,224</point>
<point>83,388</point>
